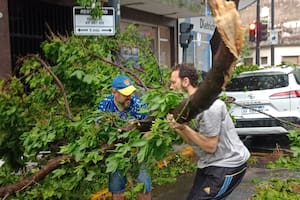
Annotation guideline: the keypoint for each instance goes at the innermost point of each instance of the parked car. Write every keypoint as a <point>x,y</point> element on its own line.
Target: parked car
<point>265,99</point>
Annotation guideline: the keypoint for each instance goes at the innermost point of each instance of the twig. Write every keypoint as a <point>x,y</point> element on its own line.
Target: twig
<point>23,184</point>
<point>259,111</point>
<point>58,82</point>
<point>125,69</point>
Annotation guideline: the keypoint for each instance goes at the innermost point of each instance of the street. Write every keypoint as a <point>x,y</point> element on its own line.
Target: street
<point>180,189</point>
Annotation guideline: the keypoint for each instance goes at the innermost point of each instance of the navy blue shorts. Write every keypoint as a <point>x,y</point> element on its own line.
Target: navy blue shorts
<point>216,182</point>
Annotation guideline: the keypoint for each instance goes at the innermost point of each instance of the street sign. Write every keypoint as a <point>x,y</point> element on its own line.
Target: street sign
<point>204,24</point>
<point>84,24</point>
<point>273,37</point>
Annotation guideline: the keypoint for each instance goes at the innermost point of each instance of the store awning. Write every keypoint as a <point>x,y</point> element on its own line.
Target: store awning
<point>174,8</point>
<point>168,8</point>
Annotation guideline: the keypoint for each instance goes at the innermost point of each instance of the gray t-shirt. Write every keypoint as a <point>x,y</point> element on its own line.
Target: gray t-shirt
<point>231,152</point>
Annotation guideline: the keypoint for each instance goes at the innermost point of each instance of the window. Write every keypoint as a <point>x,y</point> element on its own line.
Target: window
<point>248,61</point>
<point>264,60</point>
<point>290,59</point>
<point>258,82</point>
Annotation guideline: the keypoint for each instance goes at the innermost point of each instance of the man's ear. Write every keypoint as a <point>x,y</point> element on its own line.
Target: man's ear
<point>185,82</point>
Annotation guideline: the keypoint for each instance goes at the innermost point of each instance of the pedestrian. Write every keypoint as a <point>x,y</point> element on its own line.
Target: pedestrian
<point>222,155</point>
<point>127,105</point>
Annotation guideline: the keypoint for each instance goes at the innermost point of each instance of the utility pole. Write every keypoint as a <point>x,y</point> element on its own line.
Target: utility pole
<point>272,29</point>
<point>184,55</point>
<point>257,32</point>
<point>116,5</point>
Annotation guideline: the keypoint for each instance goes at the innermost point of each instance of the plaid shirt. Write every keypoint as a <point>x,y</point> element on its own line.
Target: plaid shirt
<point>108,105</point>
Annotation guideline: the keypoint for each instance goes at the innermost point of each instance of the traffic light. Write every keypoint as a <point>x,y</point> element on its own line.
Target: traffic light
<point>263,32</point>
<point>252,32</point>
<point>186,36</point>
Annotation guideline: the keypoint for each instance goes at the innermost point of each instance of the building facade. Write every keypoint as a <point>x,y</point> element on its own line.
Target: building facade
<point>24,24</point>
<point>285,37</point>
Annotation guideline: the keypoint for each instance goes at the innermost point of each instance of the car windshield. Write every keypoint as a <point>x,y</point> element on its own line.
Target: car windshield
<point>258,82</point>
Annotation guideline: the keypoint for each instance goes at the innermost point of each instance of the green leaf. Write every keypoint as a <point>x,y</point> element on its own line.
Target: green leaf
<point>90,176</point>
<point>11,110</point>
<point>139,143</point>
<point>159,142</point>
<point>142,154</point>
<point>94,156</point>
<point>58,173</point>
<point>78,155</point>
<point>111,164</point>
<point>78,74</point>
<point>88,79</point>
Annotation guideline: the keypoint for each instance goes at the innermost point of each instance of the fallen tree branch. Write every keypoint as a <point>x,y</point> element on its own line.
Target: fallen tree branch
<point>226,44</point>
<point>50,166</point>
<point>45,170</point>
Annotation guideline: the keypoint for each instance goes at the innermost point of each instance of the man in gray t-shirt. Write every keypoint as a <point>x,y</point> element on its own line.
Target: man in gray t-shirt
<point>222,155</point>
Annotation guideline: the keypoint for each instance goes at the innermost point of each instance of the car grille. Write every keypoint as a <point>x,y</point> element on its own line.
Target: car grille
<point>267,122</point>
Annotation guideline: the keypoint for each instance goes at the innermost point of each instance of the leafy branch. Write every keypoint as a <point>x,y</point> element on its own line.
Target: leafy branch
<point>123,68</point>
<point>31,120</point>
<point>57,81</point>
<point>44,171</point>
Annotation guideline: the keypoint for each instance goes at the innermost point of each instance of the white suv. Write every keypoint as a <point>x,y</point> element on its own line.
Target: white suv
<point>274,91</point>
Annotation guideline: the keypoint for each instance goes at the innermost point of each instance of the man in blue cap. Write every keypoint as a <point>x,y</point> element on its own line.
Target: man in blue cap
<point>127,105</point>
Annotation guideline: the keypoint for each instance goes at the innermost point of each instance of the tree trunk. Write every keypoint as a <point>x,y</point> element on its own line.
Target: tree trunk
<point>226,44</point>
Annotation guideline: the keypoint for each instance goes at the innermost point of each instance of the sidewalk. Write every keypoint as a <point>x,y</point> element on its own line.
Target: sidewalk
<point>180,189</point>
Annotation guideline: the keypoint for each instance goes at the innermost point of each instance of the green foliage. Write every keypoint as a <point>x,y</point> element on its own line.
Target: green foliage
<point>176,166</point>
<point>294,136</point>
<point>285,162</point>
<point>244,68</point>
<point>14,120</point>
<point>293,162</point>
<point>246,50</point>
<point>161,101</point>
<point>286,63</point>
<point>35,128</point>
<point>278,189</point>
<point>283,189</point>
<point>157,144</point>
<point>94,4</point>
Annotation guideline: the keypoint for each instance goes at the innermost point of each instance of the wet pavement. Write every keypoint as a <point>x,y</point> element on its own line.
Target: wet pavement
<point>180,189</point>
<point>255,173</point>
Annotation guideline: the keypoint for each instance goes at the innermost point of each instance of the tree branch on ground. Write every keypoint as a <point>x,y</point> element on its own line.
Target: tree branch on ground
<point>44,171</point>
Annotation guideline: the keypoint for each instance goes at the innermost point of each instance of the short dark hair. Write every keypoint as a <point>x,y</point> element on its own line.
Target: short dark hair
<point>187,70</point>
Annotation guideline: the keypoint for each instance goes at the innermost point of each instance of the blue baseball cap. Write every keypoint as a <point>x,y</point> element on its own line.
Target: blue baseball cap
<point>123,84</point>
